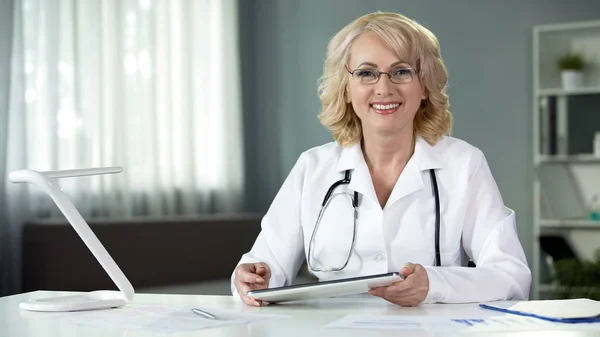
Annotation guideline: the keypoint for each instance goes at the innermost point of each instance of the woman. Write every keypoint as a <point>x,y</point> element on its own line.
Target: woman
<point>384,99</point>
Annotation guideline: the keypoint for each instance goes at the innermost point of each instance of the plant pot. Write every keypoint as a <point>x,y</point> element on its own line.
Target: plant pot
<point>572,79</point>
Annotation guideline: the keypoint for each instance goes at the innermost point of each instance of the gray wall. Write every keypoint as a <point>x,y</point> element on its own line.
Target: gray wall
<point>487,47</point>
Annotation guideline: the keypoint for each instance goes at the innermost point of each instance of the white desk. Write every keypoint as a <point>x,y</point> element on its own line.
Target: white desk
<point>307,318</point>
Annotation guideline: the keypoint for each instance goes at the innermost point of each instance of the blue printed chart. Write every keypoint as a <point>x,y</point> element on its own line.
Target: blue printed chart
<point>445,324</point>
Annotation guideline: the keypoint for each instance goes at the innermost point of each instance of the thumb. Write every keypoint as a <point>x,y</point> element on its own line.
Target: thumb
<point>408,269</point>
<point>262,269</point>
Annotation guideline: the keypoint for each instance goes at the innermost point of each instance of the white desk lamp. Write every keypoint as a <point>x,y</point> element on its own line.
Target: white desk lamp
<point>101,299</point>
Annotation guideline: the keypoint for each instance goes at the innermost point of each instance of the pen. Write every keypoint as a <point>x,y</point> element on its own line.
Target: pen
<point>203,313</point>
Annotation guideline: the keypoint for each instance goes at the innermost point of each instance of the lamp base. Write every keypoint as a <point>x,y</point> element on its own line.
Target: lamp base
<point>102,299</point>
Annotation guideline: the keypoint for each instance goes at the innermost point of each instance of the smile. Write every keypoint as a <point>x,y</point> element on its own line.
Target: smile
<point>385,109</point>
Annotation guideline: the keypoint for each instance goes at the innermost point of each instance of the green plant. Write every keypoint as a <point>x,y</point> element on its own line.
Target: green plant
<point>571,62</point>
<point>576,279</point>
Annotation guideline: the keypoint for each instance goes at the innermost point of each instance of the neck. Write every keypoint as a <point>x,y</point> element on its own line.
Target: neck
<point>388,152</point>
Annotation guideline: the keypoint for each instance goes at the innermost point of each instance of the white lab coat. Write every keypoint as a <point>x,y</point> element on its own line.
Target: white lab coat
<point>473,219</point>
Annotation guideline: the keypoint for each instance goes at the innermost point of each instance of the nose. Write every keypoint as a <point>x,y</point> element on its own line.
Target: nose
<point>384,86</point>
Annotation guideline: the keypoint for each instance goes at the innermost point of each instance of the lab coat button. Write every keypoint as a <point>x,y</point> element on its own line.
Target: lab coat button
<point>379,258</point>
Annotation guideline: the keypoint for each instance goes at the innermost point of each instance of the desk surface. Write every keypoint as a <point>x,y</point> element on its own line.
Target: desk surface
<point>307,318</point>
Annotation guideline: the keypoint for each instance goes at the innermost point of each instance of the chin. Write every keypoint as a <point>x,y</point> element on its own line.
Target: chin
<point>387,130</point>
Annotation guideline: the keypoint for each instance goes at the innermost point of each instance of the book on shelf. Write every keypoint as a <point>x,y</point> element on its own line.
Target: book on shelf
<point>548,119</point>
<point>567,125</point>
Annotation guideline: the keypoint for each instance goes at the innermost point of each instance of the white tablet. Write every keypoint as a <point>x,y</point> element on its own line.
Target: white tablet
<point>343,287</point>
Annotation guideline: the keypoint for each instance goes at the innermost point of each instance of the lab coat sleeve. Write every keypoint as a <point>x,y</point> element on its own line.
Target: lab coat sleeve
<point>280,241</point>
<point>490,238</point>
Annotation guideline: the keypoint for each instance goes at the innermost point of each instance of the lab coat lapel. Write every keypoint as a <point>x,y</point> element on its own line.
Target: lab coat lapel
<point>352,159</point>
<point>411,180</point>
<point>361,181</point>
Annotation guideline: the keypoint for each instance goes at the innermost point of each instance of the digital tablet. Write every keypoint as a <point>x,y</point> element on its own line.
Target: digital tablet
<point>342,287</point>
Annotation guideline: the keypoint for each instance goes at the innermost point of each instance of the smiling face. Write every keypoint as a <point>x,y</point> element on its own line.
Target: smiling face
<point>384,108</point>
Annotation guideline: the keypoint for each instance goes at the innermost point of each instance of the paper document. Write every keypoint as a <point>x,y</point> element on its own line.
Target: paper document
<point>155,317</point>
<point>452,324</point>
<point>562,309</point>
<point>577,311</point>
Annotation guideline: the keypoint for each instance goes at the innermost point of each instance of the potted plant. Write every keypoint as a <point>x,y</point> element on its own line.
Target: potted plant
<point>577,279</point>
<point>571,68</point>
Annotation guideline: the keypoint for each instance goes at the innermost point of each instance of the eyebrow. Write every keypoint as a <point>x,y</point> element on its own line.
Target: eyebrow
<point>375,66</point>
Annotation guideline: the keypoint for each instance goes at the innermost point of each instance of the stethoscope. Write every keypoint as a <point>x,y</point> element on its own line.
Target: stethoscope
<point>354,199</point>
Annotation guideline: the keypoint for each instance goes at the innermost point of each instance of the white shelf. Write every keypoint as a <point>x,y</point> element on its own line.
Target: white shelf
<point>563,92</point>
<point>577,158</point>
<point>561,27</point>
<point>552,288</point>
<point>550,43</point>
<point>569,224</point>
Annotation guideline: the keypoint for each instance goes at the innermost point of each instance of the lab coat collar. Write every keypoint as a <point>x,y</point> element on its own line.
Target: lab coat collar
<point>351,158</point>
<point>424,158</point>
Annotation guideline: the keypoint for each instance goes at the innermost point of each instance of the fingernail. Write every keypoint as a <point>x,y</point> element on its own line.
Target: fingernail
<point>260,280</point>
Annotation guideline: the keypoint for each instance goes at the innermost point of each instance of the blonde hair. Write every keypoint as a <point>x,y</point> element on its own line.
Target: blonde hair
<point>408,39</point>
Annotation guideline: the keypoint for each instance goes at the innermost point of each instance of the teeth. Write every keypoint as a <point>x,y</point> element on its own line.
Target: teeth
<point>385,106</point>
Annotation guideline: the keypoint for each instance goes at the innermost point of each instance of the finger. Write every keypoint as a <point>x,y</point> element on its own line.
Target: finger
<point>378,291</point>
<point>262,269</point>
<point>420,269</point>
<point>394,284</point>
<point>244,288</point>
<point>243,291</point>
<point>252,286</point>
<point>249,277</point>
<point>253,302</point>
<point>250,301</point>
<point>401,286</point>
<point>408,269</point>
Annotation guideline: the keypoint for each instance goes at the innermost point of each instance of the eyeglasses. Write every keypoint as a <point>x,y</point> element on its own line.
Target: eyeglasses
<point>398,75</point>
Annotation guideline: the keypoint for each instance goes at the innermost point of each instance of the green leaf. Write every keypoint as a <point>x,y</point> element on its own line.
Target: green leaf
<point>571,62</point>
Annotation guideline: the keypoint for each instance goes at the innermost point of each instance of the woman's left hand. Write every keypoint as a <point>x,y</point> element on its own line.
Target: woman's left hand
<point>409,292</point>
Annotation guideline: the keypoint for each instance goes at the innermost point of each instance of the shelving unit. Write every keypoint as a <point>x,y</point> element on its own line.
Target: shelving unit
<point>551,288</point>
<point>563,92</point>
<point>563,125</point>
<point>562,159</point>
<point>569,224</point>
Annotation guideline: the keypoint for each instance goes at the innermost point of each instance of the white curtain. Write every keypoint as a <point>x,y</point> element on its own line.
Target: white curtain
<point>149,85</point>
<point>152,86</point>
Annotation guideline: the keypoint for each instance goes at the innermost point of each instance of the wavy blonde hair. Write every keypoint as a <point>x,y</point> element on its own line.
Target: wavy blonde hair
<point>408,39</point>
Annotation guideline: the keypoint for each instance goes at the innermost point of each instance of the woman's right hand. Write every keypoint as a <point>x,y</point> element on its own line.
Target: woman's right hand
<point>251,276</point>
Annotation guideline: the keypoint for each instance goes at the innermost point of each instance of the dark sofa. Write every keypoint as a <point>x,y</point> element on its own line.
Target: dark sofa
<point>151,252</point>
